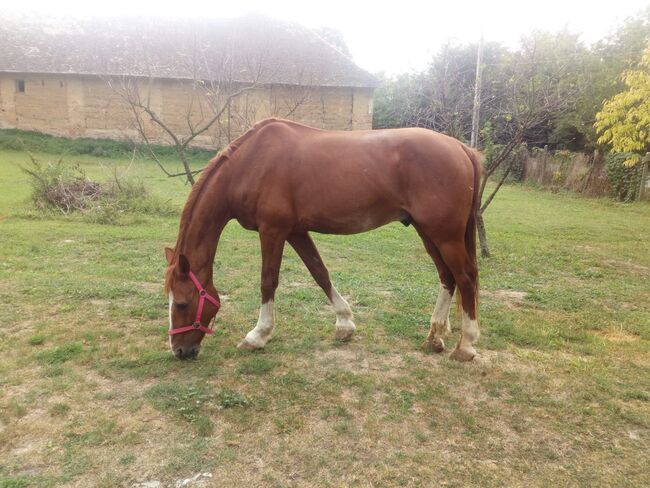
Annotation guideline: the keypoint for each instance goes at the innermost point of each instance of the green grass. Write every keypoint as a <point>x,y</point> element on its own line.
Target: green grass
<point>22,140</point>
<point>91,396</point>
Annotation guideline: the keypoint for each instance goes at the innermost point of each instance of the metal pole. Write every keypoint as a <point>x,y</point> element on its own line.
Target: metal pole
<point>477,96</point>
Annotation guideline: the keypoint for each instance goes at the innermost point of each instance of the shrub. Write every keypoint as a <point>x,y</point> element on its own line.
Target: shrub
<point>65,188</point>
<point>623,179</point>
<point>57,186</point>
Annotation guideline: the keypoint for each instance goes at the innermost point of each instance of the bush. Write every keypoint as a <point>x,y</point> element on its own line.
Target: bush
<point>57,186</point>
<point>64,188</point>
<point>623,180</point>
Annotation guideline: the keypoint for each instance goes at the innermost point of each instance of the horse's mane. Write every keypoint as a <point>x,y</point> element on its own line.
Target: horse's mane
<point>210,170</point>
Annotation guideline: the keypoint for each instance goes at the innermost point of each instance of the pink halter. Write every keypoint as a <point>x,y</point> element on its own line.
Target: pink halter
<point>203,296</point>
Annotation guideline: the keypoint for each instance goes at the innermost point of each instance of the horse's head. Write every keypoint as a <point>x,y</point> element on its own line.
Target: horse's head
<point>192,305</point>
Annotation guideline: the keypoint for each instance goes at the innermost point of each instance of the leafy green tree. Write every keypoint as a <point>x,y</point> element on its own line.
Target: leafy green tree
<point>597,75</point>
<point>624,121</point>
<point>441,97</point>
<point>398,102</point>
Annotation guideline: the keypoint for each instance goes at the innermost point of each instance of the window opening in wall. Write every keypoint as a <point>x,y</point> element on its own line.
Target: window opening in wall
<point>61,84</point>
<point>42,82</point>
<point>20,86</point>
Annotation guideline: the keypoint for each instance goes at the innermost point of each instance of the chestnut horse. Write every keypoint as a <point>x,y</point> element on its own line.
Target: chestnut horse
<point>283,180</point>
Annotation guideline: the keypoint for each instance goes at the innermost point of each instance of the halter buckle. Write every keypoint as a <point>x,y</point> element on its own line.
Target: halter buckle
<point>202,293</point>
<point>196,325</point>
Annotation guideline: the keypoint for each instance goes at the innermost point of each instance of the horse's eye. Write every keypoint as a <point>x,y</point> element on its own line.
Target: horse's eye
<point>180,306</point>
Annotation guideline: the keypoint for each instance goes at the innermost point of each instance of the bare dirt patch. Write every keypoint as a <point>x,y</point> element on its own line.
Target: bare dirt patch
<point>508,298</point>
<point>627,265</point>
<point>359,361</point>
<point>616,335</point>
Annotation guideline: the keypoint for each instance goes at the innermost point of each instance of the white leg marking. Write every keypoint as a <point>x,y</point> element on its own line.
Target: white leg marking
<point>465,349</point>
<point>440,318</point>
<point>260,335</point>
<point>344,325</point>
<point>470,332</point>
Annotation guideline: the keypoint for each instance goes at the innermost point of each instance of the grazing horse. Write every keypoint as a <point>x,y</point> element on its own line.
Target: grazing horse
<point>283,180</point>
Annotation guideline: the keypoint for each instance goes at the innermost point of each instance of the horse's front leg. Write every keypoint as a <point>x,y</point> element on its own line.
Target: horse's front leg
<point>306,249</point>
<point>272,242</point>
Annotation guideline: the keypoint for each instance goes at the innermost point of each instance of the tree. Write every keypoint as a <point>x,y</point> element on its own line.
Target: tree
<point>205,104</point>
<point>624,121</point>
<point>397,102</point>
<point>440,98</point>
<point>597,73</point>
<point>534,94</point>
<point>522,93</point>
<point>215,100</point>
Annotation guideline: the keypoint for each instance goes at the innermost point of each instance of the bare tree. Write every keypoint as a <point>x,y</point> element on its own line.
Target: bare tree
<point>533,96</point>
<point>206,101</point>
<point>213,99</point>
<point>285,102</point>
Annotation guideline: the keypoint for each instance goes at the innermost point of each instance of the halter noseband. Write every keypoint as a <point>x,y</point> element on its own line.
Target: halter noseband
<point>203,296</point>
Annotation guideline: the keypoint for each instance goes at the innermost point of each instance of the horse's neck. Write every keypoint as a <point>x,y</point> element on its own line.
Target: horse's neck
<point>201,234</point>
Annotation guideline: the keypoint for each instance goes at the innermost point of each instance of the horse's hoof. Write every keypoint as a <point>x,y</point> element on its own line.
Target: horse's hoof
<point>463,355</point>
<point>435,345</point>
<point>344,334</point>
<point>247,346</point>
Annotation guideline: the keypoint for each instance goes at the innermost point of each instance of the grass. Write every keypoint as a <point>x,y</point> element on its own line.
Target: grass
<point>20,140</point>
<point>91,396</point>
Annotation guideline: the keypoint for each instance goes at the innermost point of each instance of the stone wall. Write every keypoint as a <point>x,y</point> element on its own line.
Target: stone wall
<point>85,106</point>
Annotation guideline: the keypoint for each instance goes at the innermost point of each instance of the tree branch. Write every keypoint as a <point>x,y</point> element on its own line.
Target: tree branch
<point>494,192</point>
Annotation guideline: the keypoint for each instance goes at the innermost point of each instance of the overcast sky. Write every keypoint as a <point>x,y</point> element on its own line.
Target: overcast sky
<point>391,36</point>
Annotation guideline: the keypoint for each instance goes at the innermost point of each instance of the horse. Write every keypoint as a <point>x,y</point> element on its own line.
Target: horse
<point>284,180</point>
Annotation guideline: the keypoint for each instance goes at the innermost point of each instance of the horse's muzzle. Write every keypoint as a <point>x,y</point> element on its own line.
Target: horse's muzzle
<point>187,352</point>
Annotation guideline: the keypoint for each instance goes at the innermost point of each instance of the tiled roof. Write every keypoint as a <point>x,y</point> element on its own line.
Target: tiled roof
<point>242,49</point>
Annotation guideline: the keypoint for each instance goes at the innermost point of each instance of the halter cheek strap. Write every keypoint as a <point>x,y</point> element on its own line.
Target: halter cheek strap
<point>203,296</point>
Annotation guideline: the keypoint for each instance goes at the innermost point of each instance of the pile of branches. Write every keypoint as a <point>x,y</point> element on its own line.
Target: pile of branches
<point>65,188</point>
<point>73,195</point>
<point>56,186</point>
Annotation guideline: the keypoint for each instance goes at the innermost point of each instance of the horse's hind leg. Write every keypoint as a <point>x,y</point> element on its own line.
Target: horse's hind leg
<point>465,273</point>
<point>306,249</point>
<point>440,318</point>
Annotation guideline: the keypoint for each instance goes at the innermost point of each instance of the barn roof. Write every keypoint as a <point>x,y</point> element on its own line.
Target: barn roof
<point>244,49</point>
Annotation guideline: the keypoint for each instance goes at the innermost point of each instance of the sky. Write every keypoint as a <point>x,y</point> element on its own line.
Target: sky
<point>393,36</point>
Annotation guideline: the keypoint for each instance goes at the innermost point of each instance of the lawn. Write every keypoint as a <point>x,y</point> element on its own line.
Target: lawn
<point>90,395</point>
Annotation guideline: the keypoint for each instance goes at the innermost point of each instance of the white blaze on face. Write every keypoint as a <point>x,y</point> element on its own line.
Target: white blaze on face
<point>261,334</point>
<point>171,302</point>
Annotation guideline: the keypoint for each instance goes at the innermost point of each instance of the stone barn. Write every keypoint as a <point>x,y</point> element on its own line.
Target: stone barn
<point>69,78</point>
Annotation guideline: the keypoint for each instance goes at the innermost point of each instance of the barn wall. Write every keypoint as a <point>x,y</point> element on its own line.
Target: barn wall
<point>42,106</point>
<point>85,106</point>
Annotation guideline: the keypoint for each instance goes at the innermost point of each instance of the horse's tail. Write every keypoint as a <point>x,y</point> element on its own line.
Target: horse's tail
<point>470,229</point>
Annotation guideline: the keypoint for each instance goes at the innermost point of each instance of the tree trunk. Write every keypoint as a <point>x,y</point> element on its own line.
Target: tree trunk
<point>482,236</point>
<point>186,165</point>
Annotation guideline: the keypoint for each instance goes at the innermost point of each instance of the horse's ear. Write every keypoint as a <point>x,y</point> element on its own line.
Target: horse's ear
<point>169,255</point>
<point>183,264</point>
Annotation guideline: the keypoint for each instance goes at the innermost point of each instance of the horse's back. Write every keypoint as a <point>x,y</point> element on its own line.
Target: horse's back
<point>306,149</point>
<point>352,181</point>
